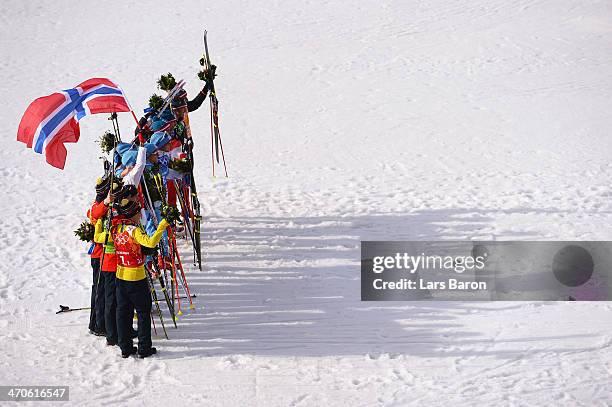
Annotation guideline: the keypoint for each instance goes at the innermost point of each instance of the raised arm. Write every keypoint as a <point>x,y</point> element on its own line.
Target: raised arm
<point>134,175</point>
<point>198,100</point>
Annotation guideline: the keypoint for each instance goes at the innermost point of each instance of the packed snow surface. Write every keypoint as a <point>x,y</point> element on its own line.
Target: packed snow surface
<point>341,122</point>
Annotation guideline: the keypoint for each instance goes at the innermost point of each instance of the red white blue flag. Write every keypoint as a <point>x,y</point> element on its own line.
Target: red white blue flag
<point>50,121</point>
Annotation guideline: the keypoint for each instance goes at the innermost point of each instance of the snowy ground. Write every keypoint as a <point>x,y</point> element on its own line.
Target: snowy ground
<point>341,122</point>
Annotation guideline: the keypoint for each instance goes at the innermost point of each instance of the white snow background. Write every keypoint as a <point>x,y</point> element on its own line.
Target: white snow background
<point>341,122</point>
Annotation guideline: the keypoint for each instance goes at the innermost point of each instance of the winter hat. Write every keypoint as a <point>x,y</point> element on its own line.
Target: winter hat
<point>180,100</point>
<point>102,187</point>
<point>159,139</point>
<point>129,157</point>
<point>127,191</point>
<point>158,125</point>
<point>167,115</point>
<point>151,148</point>
<point>128,208</point>
<point>162,124</point>
<point>116,187</point>
<point>103,184</point>
<point>143,127</point>
<point>123,147</point>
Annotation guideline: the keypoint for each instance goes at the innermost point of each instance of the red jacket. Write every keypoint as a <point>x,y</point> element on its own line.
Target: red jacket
<point>97,211</point>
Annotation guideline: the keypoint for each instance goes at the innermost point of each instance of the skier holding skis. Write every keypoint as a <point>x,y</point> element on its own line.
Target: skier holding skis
<point>181,106</point>
<point>98,210</point>
<point>107,280</point>
<point>131,281</point>
<point>180,103</point>
<point>109,267</point>
<point>106,262</point>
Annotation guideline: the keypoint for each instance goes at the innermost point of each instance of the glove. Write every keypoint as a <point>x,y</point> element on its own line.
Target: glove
<point>208,75</point>
<point>141,139</point>
<point>170,213</point>
<point>148,251</point>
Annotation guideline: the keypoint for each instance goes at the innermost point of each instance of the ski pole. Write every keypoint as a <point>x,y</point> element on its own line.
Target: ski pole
<point>165,293</point>
<point>182,275</point>
<point>222,153</point>
<point>65,308</point>
<point>153,323</point>
<point>113,118</point>
<point>154,217</point>
<point>172,243</point>
<point>195,212</point>
<point>178,297</point>
<point>186,217</point>
<point>154,297</point>
<point>212,144</point>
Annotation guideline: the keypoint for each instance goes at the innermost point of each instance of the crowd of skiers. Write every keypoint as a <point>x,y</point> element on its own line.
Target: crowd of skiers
<point>145,189</point>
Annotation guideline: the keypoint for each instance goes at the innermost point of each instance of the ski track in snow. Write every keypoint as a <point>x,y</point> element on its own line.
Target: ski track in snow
<point>375,121</point>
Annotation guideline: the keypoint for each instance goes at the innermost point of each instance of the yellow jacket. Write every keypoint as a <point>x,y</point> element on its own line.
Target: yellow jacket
<point>109,262</point>
<point>128,239</point>
<point>100,234</point>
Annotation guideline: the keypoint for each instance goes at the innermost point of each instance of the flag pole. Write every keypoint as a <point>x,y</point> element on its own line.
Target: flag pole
<point>135,119</point>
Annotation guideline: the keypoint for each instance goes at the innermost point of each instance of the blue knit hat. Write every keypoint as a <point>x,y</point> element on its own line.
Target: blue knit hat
<point>129,157</point>
<point>157,141</point>
<point>122,148</point>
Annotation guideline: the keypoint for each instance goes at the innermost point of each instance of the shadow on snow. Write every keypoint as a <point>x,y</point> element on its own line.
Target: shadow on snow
<point>291,287</point>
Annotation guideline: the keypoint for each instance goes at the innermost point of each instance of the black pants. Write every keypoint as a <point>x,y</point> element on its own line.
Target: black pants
<point>133,295</point>
<point>110,306</point>
<point>96,315</point>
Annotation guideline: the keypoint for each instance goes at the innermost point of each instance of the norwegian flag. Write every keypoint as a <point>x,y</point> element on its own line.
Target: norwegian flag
<point>50,121</point>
